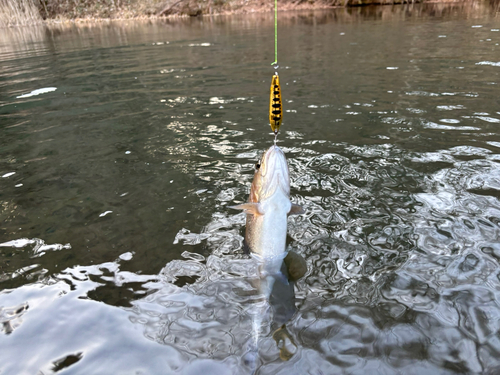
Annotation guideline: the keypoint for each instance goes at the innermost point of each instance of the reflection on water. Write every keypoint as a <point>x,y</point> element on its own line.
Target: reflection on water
<point>122,146</point>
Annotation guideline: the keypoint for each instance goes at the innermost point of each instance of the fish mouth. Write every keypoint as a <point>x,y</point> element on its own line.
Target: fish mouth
<point>273,161</point>
<point>274,172</point>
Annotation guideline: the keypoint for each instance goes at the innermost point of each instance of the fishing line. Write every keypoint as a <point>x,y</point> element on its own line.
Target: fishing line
<point>275,103</point>
<point>275,34</point>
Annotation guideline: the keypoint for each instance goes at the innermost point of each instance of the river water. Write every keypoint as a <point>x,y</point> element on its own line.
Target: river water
<point>122,146</point>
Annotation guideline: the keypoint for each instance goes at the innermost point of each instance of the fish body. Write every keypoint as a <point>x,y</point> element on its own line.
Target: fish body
<point>267,212</point>
<point>268,208</point>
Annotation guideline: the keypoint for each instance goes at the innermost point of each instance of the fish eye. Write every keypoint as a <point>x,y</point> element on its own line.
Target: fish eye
<point>257,165</point>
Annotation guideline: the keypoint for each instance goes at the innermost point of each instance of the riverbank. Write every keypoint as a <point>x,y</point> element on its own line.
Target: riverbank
<point>32,12</point>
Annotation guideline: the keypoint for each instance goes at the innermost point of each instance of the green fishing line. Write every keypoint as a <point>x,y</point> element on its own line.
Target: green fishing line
<point>275,33</point>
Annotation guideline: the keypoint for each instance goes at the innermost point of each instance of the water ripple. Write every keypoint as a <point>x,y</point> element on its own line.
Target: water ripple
<point>137,155</point>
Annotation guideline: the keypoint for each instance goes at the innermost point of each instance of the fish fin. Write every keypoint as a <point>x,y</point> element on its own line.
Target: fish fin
<point>296,210</point>
<point>249,208</point>
<point>285,343</point>
<point>246,248</point>
<point>296,266</point>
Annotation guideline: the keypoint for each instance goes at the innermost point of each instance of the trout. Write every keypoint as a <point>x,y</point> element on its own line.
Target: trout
<point>267,211</point>
<point>268,207</point>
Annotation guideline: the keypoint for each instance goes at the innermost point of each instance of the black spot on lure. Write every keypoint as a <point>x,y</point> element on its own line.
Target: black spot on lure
<point>275,105</point>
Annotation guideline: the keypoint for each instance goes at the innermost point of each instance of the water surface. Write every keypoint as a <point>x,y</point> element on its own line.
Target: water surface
<point>122,146</point>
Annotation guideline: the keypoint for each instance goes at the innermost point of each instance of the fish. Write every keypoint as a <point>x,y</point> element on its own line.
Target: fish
<point>268,207</point>
<point>267,212</point>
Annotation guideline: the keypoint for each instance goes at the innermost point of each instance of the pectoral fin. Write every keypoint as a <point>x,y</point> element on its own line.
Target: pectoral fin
<point>296,210</point>
<point>249,208</point>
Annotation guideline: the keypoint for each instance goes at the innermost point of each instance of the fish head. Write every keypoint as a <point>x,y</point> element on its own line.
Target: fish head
<point>271,174</point>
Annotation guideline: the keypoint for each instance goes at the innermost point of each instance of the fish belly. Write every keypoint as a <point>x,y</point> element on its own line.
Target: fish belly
<point>266,234</point>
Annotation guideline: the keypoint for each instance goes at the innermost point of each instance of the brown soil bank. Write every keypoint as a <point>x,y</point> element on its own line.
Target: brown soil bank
<point>29,12</point>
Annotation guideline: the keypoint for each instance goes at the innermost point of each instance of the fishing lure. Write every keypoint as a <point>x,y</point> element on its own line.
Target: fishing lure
<point>275,105</point>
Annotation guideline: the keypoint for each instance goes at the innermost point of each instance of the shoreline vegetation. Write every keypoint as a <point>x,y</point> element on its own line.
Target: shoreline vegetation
<point>34,12</point>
